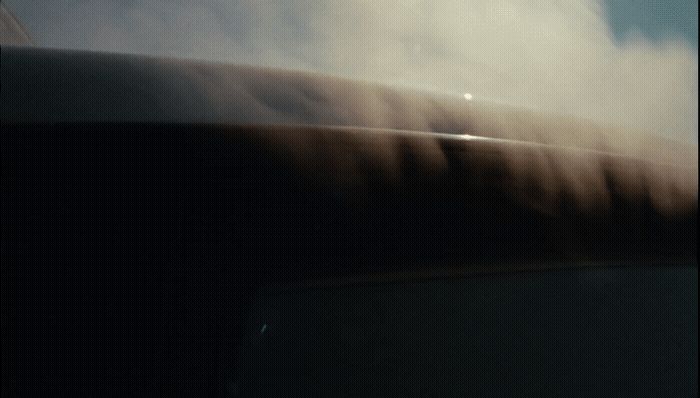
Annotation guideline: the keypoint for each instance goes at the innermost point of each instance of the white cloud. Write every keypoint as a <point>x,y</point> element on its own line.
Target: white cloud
<point>552,55</point>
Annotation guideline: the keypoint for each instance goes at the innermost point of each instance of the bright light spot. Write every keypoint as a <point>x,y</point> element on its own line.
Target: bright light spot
<point>468,96</point>
<point>263,328</point>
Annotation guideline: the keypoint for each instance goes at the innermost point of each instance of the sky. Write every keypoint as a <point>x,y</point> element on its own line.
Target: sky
<point>620,62</point>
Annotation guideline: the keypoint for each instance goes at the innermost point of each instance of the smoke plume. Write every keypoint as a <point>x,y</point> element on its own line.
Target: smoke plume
<point>555,56</point>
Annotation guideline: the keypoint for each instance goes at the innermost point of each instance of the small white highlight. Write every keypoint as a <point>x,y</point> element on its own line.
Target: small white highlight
<point>468,96</point>
<point>263,328</point>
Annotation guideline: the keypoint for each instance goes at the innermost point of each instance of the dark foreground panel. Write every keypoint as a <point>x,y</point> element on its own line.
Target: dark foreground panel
<point>603,332</point>
<point>131,252</point>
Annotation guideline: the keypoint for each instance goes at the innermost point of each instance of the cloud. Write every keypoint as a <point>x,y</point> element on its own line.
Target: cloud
<point>557,56</point>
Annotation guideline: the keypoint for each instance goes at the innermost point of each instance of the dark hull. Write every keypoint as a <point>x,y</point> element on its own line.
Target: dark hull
<point>130,252</point>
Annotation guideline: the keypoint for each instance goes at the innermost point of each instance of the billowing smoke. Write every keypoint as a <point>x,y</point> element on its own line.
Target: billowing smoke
<point>557,56</point>
<point>559,59</point>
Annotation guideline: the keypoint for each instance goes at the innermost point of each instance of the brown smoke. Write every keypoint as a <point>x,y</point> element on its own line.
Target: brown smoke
<point>547,156</point>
